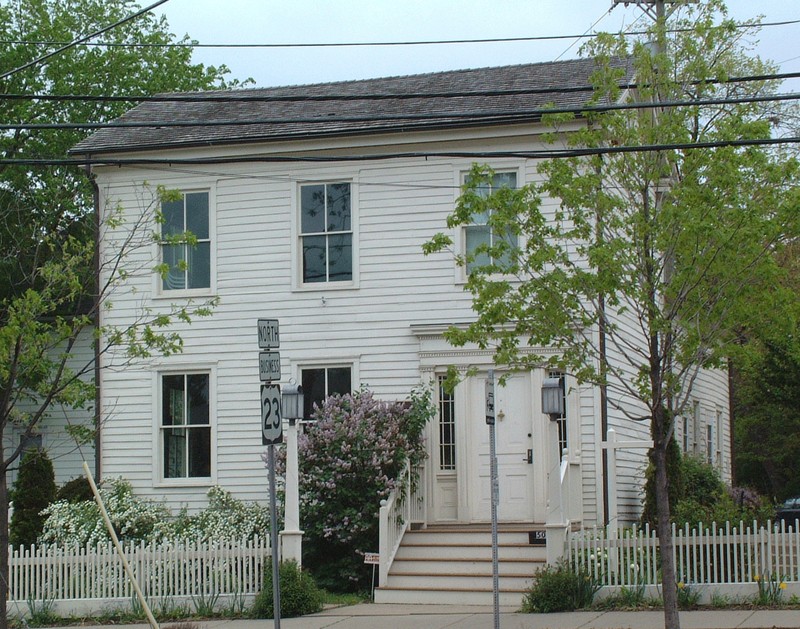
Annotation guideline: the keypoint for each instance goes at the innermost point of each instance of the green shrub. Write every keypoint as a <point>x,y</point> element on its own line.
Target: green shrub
<point>75,490</point>
<point>299,593</point>
<point>33,490</point>
<point>559,588</point>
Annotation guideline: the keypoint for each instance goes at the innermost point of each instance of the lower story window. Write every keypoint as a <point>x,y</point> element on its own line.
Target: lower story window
<point>322,382</point>
<point>447,427</point>
<point>561,420</point>
<point>185,425</point>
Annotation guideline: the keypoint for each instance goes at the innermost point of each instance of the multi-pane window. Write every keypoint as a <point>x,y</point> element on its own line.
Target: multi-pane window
<point>481,233</point>
<point>561,420</point>
<point>447,427</point>
<point>189,263</point>
<point>185,425</point>
<point>322,382</point>
<point>709,444</point>
<point>326,233</point>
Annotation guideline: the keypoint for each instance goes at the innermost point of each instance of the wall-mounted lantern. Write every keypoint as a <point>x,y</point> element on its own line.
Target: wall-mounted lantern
<point>552,398</point>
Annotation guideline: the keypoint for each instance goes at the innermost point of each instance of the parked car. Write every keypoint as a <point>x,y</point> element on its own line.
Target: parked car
<point>789,511</point>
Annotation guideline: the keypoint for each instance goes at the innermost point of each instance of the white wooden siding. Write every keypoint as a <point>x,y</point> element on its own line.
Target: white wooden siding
<point>399,205</point>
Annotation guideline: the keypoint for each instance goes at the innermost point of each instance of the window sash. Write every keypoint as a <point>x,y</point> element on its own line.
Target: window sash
<point>321,382</point>
<point>185,426</point>
<point>480,233</point>
<point>447,428</point>
<point>326,233</point>
<point>189,266</point>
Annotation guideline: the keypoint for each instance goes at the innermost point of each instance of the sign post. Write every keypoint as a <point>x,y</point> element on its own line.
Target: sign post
<point>495,493</point>
<point>269,368</point>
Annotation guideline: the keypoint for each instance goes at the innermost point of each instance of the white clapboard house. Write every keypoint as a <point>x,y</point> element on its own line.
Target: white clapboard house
<point>310,205</point>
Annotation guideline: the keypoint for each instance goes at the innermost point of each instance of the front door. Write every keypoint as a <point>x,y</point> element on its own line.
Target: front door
<point>519,497</point>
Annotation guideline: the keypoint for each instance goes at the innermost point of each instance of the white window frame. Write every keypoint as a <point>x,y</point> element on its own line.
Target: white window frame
<point>297,234</point>
<point>164,293</point>
<point>460,236</point>
<point>159,479</point>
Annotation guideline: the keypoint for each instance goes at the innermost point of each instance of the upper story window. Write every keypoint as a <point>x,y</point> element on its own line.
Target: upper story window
<point>480,232</point>
<point>326,233</point>
<point>185,426</point>
<point>322,382</point>
<point>189,263</point>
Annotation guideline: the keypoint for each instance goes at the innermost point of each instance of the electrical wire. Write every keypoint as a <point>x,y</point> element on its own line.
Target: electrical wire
<point>486,115</point>
<point>273,159</point>
<point>79,40</point>
<point>435,42</point>
<point>228,96</point>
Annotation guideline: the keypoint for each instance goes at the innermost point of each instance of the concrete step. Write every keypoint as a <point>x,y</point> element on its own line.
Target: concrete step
<point>453,565</point>
<point>446,597</point>
<point>428,565</point>
<point>454,580</point>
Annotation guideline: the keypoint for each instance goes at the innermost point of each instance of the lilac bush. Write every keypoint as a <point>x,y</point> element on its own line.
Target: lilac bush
<point>350,459</point>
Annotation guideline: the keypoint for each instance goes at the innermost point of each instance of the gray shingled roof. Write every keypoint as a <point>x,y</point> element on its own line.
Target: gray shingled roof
<point>319,118</point>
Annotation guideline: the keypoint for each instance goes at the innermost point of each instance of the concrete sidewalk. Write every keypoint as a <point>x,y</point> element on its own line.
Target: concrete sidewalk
<point>391,616</point>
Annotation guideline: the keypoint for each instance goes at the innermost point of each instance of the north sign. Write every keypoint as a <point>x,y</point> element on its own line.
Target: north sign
<point>268,335</point>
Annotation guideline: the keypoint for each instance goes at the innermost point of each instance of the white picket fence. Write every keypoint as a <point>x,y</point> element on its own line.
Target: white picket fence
<point>703,555</point>
<point>208,571</point>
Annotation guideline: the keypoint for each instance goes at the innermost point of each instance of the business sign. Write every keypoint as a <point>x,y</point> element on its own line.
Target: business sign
<point>269,366</point>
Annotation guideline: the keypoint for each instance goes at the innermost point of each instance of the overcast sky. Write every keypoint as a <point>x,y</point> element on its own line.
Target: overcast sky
<point>336,21</point>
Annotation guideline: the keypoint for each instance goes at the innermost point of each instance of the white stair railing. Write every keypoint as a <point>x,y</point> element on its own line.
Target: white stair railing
<point>404,506</point>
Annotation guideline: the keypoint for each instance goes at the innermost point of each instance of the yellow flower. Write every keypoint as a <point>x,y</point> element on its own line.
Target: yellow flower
<point>782,585</point>
<point>756,578</point>
<point>681,585</point>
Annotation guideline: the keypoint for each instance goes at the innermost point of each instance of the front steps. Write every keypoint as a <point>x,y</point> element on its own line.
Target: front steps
<point>453,565</point>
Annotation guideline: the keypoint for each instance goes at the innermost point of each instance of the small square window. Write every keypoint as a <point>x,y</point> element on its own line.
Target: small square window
<point>322,382</point>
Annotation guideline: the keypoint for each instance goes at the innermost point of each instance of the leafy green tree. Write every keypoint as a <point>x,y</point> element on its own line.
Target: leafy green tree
<point>767,411</point>
<point>675,245</point>
<point>49,297</point>
<point>34,489</point>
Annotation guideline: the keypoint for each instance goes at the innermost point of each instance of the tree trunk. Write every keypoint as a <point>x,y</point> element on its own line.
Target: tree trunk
<point>4,570</point>
<point>669,584</point>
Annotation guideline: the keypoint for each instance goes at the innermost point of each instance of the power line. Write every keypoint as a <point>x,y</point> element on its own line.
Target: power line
<point>80,40</point>
<point>244,96</point>
<point>487,115</point>
<point>540,154</point>
<point>432,42</point>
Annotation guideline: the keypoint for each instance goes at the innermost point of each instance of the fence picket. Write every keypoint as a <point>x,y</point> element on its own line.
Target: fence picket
<point>705,554</point>
<point>203,569</point>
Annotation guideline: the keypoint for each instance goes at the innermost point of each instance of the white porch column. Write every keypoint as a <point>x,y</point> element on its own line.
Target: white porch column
<point>291,535</point>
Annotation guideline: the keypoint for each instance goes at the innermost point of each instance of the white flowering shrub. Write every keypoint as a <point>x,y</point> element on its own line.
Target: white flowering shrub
<point>225,519</point>
<point>350,459</point>
<point>139,520</point>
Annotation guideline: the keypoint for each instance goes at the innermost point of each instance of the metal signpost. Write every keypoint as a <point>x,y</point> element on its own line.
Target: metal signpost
<point>269,368</point>
<point>495,493</point>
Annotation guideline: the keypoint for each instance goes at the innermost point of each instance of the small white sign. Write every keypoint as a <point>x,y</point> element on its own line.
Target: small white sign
<point>271,423</point>
<point>373,559</point>
<point>268,334</point>
<point>490,401</point>
<point>269,366</point>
